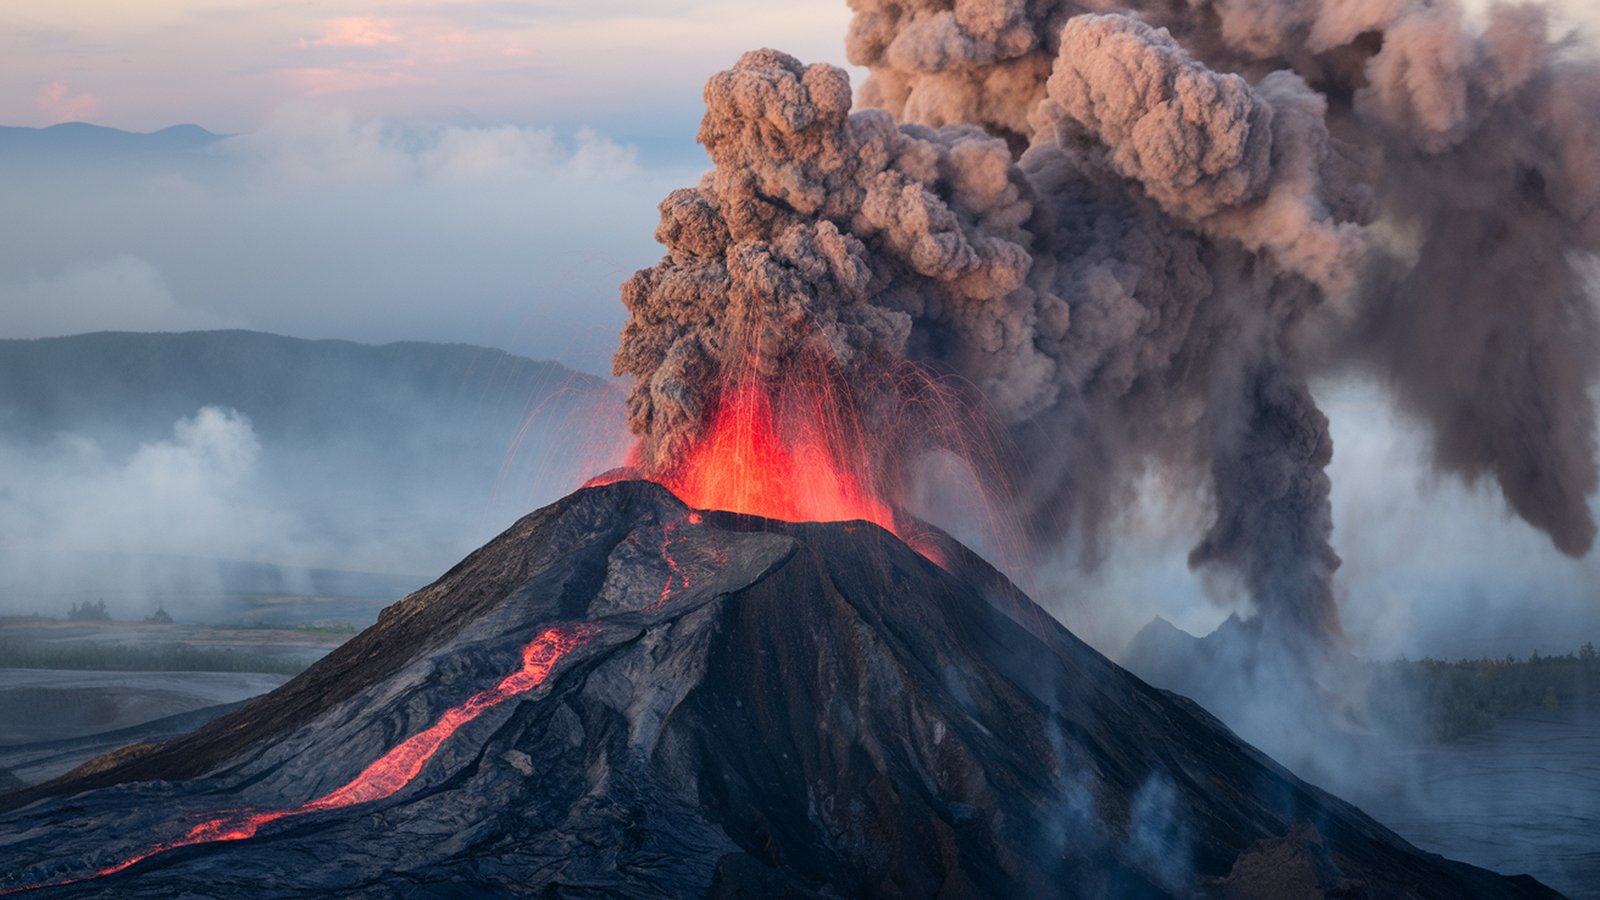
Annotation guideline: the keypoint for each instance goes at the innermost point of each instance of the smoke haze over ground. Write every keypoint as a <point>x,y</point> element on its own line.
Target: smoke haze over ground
<point>186,470</point>
<point>1432,566</point>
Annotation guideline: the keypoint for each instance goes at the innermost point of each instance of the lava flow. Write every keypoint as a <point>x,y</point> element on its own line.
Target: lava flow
<point>397,768</point>
<point>391,771</point>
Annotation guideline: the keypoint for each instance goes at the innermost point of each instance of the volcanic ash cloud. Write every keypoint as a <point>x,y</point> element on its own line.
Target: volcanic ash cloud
<point>1137,235</point>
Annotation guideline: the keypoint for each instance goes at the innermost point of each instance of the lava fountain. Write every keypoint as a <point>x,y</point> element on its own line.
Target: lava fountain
<point>803,446</point>
<point>808,465</point>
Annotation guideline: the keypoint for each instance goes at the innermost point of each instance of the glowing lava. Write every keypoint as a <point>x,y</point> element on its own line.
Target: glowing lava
<point>805,468</point>
<point>675,572</point>
<point>794,451</point>
<point>391,771</point>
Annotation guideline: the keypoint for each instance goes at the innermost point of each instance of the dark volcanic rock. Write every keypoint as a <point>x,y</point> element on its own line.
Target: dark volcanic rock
<point>759,709</point>
<point>41,760</point>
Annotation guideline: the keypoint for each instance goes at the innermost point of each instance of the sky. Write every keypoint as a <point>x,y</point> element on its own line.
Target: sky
<point>481,172</point>
<point>630,68</point>
<point>627,67</point>
<point>477,172</point>
<point>319,224</point>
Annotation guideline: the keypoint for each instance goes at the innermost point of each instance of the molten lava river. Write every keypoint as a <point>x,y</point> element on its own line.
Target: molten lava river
<point>397,768</point>
<point>390,772</point>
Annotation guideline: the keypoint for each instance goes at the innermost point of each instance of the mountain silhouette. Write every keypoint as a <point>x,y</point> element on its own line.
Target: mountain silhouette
<point>82,141</point>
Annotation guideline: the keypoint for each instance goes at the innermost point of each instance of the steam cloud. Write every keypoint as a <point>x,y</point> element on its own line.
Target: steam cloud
<point>1138,231</point>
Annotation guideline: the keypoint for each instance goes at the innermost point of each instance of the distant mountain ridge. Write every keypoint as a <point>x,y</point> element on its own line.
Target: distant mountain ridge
<point>289,387</point>
<point>83,140</point>
<point>420,450</point>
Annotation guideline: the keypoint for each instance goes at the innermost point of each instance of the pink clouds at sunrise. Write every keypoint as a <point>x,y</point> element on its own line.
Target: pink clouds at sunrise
<point>228,64</point>
<point>356,31</point>
<point>59,103</point>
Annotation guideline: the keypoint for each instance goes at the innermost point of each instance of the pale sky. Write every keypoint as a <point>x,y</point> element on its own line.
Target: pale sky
<point>630,68</point>
<point>485,171</point>
<point>618,65</point>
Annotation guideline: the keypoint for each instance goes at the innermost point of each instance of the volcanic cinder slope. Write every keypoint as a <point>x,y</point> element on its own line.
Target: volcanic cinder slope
<point>620,696</point>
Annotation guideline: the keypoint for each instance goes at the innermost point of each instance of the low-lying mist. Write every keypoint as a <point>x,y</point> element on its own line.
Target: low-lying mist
<point>1435,571</point>
<point>177,470</point>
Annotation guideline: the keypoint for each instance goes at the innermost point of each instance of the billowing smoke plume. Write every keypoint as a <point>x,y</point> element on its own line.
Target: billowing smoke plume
<point>1137,231</point>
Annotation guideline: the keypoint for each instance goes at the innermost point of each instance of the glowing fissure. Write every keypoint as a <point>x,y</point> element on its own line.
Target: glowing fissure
<point>675,572</point>
<point>392,771</point>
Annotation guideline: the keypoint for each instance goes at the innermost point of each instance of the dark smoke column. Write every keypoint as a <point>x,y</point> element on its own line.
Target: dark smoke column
<point>814,246</point>
<point>1476,150</point>
<point>1140,236</point>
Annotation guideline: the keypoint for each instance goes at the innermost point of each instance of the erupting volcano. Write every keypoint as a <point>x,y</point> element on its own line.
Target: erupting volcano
<point>1141,233</point>
<point>622,695</point>
<point>1137,238</point>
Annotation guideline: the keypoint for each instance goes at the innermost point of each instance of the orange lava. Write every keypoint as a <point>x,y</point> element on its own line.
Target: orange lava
<point>808,471</point>
<point>397,768</point>
<point>391,771</point>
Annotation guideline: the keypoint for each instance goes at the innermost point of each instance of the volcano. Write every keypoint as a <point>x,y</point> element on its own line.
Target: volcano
<point>622,696</point>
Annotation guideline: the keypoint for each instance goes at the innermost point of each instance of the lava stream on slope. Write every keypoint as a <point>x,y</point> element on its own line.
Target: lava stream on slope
<point>388,774</point>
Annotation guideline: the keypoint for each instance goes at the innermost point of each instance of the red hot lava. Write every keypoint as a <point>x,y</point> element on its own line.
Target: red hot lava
<point>798,458</point>
<point>798,449</point>
<point>745,464</point>
<point>391,771</point>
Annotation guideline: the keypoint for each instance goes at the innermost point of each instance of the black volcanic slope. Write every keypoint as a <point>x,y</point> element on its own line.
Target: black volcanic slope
<point>759,709</point>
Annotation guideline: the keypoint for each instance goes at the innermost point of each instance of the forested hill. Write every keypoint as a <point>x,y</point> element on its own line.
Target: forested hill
<point>119,386</point>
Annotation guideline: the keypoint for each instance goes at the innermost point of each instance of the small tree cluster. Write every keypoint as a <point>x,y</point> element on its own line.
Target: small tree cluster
<point>89,612</point>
